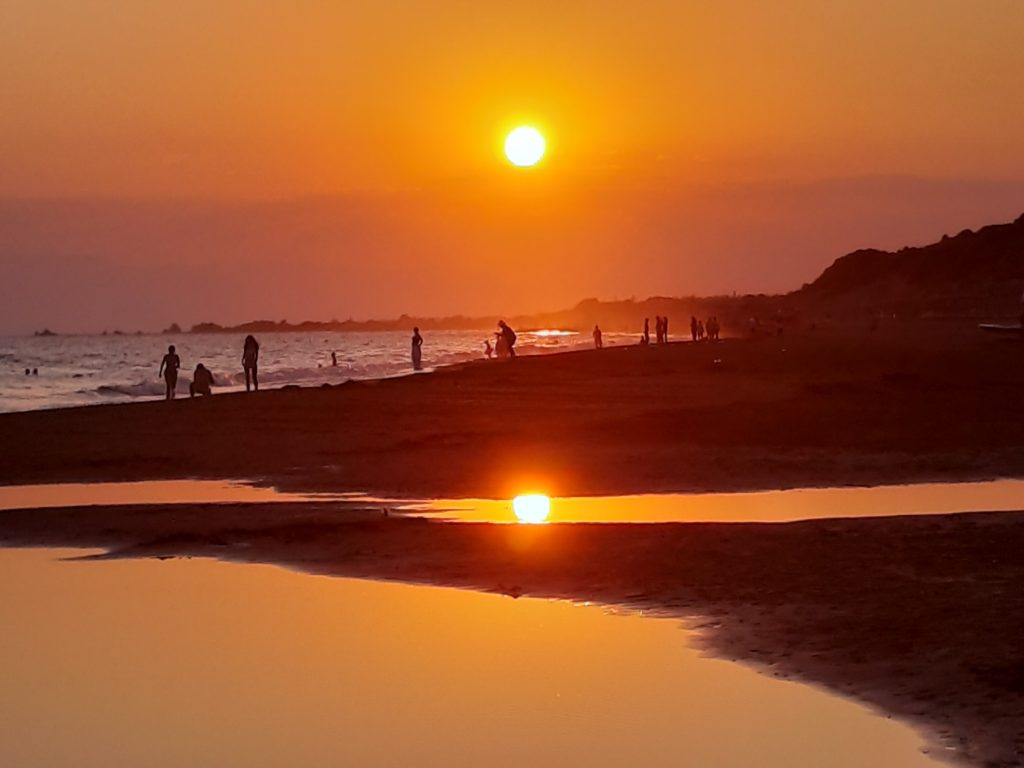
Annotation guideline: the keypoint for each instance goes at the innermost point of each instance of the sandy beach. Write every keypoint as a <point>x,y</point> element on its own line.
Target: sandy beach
<point>920,617</point>
<point>915,401</point>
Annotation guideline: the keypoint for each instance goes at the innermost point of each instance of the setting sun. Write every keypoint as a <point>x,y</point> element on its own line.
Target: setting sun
<point>524,147</point>
<point>531,508</point>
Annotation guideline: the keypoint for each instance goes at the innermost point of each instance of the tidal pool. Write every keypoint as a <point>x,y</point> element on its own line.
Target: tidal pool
<point>760,506</point>
<point>203,663</point>
<point>149,492</point>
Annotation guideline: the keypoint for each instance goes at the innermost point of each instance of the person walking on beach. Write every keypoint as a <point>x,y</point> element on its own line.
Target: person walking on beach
<point>169,370</point>
<point>657,329</point>
<point>645,339</point>
<point>509,337</point>
<point>202,380</point>
<point>417,349</point>
<point>250,362</point>
<point>693,328</point>
<point>488,349</point>
<point>664,330</point>
<point>598,338</point>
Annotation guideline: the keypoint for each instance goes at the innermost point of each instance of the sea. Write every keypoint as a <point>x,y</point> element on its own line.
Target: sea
<point>73,370</point>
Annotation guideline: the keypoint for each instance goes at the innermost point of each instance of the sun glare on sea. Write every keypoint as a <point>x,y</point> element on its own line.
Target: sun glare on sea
<point>524,147</point>
<point>531,508</point>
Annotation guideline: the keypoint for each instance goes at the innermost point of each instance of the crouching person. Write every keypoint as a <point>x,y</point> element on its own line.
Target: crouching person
<point>202,380</point>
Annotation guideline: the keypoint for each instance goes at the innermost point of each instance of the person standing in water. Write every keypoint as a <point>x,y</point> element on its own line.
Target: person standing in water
<point>169,370</point>
<point>645,339</point>
<point>334,359</point>
<point>250,362</point>
<point>417,350</point>
<point>598,338</point>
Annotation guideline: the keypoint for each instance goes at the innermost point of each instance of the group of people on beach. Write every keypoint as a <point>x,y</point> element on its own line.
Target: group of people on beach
<point>700,330</point>
<point>504,343</point>
<point>202,377</point>
<point>660,331</point>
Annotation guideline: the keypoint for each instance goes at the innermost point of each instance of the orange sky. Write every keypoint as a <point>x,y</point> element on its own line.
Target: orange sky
<point>654,112</point>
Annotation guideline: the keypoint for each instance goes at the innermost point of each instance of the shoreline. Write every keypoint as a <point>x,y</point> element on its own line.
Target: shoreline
<point>918,617</point>
<point>736,415</point>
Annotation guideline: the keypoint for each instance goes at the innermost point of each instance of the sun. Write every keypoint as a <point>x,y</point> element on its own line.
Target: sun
<point>531,508</point>
<point>524,147</point>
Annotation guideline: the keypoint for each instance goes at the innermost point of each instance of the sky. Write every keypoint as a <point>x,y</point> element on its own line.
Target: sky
<point>182,162</point>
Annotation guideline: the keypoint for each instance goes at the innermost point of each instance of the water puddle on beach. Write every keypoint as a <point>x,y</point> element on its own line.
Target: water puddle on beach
<point>150,492</point>
<point>760,506</point>
<point>203,663</point>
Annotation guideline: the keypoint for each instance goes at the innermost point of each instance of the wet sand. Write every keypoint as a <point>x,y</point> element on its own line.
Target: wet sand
<point>921,617</point>
<point>903,404</point>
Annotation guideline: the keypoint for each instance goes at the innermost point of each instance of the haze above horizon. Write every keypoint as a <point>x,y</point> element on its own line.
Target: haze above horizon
<point>185,162</point>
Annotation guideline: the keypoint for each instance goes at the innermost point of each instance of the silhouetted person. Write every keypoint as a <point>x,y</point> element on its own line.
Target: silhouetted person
<point>598,338</point>
<point>417,350</point>
<point>693,328</point>
<point>509,337</point>
<point>35,371</point>
<point>488,349</point>
<point>250,362</point>
<point>700,331</point>
<point>27,371</point>
<point>659,329</point>
<point>664,329</point>
<point>646,338</point>
<point>202,380</point>
<point>334,359</point>
<point>169,370</point>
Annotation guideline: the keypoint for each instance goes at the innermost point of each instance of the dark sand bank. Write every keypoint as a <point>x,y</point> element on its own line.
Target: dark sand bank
<point>922,617</point>
<point>907,402</point>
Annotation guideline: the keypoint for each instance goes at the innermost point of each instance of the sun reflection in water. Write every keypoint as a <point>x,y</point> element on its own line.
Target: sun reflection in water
<point>532,508</point>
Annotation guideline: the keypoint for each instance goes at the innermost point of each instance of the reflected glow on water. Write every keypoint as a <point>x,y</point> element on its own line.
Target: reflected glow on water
<point>761,506</point>
<point>203,663</point>
<point>531,508</point>
<point>148,492</point>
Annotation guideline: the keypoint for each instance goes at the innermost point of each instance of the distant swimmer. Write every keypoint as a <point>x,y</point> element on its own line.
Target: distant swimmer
<point>202,380</point>
<point>250,362</point>
<point>507,335</point>
<point>27,372</point>
<point>35,371</point>
<point>417,350</point>
<point>598,337</point>
<point>488,349</point>
<point>334,359</point>
<point>169,370</point>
